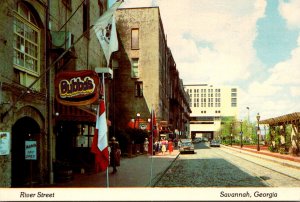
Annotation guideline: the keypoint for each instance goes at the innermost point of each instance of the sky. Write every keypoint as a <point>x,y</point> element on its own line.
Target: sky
<point>251,44</point>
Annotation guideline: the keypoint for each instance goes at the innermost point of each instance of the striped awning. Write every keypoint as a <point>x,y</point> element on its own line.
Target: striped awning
<point>74,113</point>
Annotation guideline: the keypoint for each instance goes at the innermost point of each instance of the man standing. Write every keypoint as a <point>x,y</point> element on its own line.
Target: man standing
<point>115,154</point>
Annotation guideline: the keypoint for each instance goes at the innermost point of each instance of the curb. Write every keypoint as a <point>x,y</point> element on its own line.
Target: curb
<point>281,161</point>
<point>157,178</point>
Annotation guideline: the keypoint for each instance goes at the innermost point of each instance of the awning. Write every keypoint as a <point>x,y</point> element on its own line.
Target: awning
<point>280,120</point>
<point>74,113</point>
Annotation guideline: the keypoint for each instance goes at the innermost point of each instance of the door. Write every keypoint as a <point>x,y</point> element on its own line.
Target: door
<point>25,171</point>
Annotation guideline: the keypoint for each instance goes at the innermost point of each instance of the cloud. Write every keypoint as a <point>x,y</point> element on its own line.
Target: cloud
<point>264,89</point>
<point>216,44</point>
<point>295,91</point>
<point>213,42</point>
<point>229,27</point>
<point>290,11</point>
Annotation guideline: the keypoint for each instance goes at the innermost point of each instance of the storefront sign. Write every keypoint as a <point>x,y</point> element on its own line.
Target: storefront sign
<point>4,143</point>
<point>30,150</point>
<point>77,87</point>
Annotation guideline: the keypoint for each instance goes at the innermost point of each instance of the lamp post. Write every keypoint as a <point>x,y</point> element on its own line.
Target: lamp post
<point>248,115</point>
<point>138,119</point>
<point>231,134</point>
<point>258,131</point>
<point>265,135</point>
<point>241,133</point>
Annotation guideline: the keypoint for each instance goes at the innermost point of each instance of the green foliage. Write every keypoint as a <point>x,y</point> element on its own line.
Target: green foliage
<point>272,149</point>
<point>281,150</point>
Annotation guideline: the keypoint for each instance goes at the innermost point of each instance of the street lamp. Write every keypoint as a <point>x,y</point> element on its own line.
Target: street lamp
<point>137,119</point>
<point>231,134</point>
<point>241,133</point>
<point>258,130</point>
<point>248,115</point>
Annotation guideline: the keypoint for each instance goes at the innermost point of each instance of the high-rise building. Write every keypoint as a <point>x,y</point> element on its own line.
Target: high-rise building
<point>211,106</point>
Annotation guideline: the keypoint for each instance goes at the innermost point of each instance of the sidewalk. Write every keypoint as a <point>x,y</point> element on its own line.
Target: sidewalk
<point>140,171</point>
<point>137,172</point>
<point>283,159</point>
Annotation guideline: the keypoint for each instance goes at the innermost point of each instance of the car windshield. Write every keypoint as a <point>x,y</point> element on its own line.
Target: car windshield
<point>186,144</point>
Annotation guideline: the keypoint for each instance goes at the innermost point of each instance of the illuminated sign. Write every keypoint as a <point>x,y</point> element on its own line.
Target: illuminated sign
<point>77,87</point>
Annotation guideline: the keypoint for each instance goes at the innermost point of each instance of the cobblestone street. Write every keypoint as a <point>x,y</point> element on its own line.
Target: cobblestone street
<point>222,167</point>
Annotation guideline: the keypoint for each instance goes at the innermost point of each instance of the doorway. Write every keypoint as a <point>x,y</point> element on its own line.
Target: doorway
<point>25,170</point>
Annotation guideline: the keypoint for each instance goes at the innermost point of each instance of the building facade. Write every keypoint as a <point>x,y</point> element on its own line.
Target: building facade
<point>211,107</point>
<point>146,77</point>
<point>39,39</point>
<point>42,39</point>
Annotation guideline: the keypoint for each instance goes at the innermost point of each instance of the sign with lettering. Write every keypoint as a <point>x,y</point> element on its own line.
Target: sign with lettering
<point>4,143</point>
<point>30,150</point>
<point>77,87</point>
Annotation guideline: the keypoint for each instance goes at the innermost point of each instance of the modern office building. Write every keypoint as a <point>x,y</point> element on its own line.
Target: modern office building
<point>211,106</point>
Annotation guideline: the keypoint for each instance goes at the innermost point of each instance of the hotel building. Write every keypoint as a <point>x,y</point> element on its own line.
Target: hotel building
<point>211,106</point>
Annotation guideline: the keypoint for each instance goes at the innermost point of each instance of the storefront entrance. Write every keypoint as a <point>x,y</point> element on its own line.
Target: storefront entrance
<point>25,152</point>
<point>73,145</point>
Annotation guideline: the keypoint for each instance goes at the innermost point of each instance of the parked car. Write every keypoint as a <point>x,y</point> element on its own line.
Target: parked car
<point>196,140</point>
<point>215,143</point>
<point>186,146</point>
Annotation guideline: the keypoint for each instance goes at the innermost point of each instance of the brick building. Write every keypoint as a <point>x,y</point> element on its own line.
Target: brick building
<point>35,131</point>
<point>146,76</point>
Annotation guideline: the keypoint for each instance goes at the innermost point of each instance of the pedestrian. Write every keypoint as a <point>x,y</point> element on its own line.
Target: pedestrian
<point>159,146</point>
<point>115,154</point>
<point>156,145</point>
<point>170,146</point>
<point>146,143</point>
<point>164,147</point>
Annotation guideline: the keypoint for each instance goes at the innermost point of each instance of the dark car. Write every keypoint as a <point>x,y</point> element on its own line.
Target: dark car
<point>215,143</point>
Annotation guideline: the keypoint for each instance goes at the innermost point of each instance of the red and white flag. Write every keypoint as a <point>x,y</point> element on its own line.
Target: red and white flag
<point>100,144</point>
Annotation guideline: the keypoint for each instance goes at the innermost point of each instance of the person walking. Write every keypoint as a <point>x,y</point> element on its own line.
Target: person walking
<point>115,154</point>
<point>146,143</point>
<point>170,146</point>
<point>164,147</point>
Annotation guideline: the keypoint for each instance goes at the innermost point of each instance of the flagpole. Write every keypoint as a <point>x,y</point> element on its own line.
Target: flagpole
<point>151,149</point>
<point>103,84</point>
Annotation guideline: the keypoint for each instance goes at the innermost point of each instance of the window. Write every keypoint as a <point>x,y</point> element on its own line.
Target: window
<point>86,16</point>
<point>68,4</point>
<point>26,46</point>
<point>138,89</point>
<point>233,102</point>
<point>84,136</point>
<point>135,39</point>
<point>134,68</point>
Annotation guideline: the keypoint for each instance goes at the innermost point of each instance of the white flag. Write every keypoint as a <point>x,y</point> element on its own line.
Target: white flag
<point>105,29</point>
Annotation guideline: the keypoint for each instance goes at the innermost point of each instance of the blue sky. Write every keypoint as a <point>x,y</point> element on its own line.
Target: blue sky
<point>274,41</point>
<point>251,44</point>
